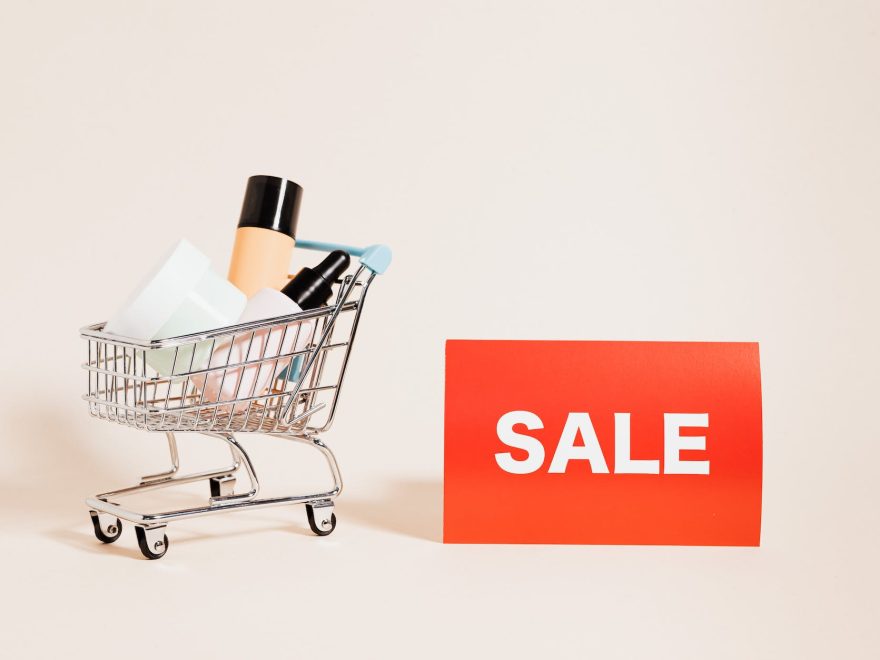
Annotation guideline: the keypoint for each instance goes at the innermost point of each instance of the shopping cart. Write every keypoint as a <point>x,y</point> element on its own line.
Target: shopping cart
<point>305,376</point>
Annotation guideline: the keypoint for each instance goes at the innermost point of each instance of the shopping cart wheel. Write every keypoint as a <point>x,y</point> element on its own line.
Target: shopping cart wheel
<point>321,524</point>
<point>106,530</point>
<point>153,542</point>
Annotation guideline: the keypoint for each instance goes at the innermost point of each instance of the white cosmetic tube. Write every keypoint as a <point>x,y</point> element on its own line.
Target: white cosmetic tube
<point>249,369</point>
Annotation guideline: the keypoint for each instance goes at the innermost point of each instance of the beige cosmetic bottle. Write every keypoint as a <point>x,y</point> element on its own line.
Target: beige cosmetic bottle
<point>266,233</point>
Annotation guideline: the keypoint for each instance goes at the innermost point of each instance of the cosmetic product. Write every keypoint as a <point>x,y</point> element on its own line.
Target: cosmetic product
<point>182,295</point>
<point>311,288</point>
<point>266,234</point>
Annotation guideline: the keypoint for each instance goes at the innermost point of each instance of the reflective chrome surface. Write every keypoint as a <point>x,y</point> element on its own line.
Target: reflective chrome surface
<point>300,404</point>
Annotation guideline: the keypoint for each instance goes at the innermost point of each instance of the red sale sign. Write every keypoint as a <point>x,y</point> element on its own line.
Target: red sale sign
<point>602,442</point>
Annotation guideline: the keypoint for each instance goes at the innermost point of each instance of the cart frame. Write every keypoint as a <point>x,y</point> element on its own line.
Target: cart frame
<point>124,388</point>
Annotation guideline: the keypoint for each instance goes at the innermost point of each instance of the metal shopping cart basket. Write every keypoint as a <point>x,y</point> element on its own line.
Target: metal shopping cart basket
<point>305,376</point>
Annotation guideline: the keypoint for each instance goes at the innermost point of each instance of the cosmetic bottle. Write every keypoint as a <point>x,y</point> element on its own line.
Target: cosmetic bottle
<point>266,234</point>
<point>311,288</point>
<point>182,295</point>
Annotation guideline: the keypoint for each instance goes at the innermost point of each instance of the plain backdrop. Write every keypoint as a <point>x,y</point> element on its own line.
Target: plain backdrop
<point>579,170</point>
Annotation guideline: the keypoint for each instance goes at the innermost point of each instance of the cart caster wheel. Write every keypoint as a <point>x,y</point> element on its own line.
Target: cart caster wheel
<point>320,523</point>
<point>152,542</point>
<point>106,530</point>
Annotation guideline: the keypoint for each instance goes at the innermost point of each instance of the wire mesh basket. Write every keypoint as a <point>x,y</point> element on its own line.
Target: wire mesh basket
<point>166,384</point>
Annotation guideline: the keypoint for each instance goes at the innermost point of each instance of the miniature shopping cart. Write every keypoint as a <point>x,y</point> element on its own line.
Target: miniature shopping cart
<point>305,379</point>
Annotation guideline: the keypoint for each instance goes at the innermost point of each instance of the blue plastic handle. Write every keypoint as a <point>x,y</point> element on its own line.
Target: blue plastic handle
<point>375,257</point>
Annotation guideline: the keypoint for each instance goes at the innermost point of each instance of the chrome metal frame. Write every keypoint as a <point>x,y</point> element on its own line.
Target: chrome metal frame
<point>104,503</point>
<point>299,405</point>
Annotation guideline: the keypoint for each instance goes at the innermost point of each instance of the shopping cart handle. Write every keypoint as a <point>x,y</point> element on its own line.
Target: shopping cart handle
<point>375,257</point>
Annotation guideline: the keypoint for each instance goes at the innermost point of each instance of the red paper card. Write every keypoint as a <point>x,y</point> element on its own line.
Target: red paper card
<point>602,442</point>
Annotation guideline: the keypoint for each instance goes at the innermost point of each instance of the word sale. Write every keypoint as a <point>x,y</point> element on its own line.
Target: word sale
<point>579,423</point>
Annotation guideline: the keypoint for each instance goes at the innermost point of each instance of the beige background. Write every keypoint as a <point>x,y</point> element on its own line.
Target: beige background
<point>583,170</point>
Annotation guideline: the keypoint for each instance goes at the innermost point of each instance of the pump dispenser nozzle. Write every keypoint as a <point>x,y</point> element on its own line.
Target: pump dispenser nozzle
<point>312,287</point>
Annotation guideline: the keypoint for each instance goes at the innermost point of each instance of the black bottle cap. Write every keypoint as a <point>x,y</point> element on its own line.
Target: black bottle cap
<point>271,202</point>
<point>312,287</point>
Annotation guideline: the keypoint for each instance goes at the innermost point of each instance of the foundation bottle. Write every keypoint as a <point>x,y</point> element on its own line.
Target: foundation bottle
<point>266,233</point>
